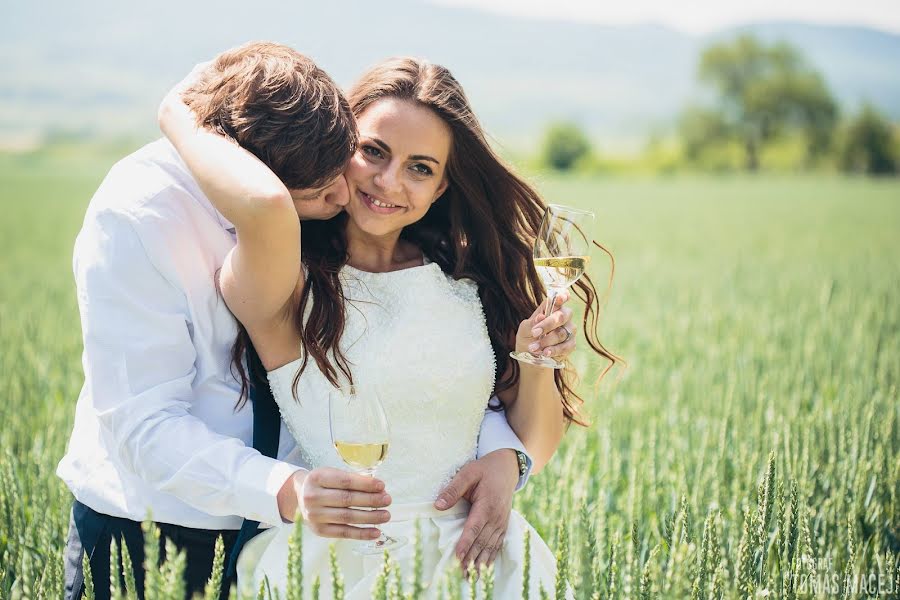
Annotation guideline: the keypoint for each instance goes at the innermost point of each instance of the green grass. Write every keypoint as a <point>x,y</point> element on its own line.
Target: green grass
<point>754,434</point>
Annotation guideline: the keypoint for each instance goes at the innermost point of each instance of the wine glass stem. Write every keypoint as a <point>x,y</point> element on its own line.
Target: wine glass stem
<point>551,300</point>
<point>382,539</point>
<point>552,293</point>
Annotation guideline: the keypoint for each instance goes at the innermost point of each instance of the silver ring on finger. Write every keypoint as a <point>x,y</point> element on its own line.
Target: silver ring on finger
<point>568,334</point>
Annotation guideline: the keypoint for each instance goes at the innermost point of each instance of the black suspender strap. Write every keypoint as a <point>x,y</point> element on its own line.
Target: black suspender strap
<point>266,431</point>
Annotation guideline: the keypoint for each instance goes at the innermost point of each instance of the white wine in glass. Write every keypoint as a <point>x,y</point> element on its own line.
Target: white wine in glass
<point>562,271</point>
<point>361,436</point>
<point>362,456</point>
<point>561,254</point>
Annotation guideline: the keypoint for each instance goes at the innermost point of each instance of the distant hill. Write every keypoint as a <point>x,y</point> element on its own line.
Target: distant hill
<point>98,67</point>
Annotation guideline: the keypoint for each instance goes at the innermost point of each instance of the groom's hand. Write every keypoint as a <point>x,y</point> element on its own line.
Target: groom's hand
<point>323,498</point>
<point>488,483</point>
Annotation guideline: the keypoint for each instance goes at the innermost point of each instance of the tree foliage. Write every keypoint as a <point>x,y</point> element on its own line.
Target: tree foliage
<point>868,145</point>
<point>702,128</point>
<point>564,145</point>
<point>762,92</point>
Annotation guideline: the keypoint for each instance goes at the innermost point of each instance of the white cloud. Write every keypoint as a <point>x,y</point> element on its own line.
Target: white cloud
<point>700,16</point>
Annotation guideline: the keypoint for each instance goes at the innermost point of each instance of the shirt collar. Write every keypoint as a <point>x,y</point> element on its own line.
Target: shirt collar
<point>198,193</point>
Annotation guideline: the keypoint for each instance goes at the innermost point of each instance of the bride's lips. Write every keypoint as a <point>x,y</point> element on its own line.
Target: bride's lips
<point>381,210</point>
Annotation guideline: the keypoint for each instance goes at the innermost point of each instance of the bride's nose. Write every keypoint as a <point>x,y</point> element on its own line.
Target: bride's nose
<point>388,178</point>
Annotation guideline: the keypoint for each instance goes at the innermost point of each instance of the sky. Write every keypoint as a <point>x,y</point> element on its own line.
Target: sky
<point>700,16</point>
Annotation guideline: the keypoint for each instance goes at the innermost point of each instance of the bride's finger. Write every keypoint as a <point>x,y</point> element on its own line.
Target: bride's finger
<point>192,77</point>
<point>560,335</point>
<point>554,321</point>
<point>538,315</point>
<point>560,349</point>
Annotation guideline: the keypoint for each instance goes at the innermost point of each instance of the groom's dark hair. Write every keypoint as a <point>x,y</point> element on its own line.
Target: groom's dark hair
<point>279,105</point>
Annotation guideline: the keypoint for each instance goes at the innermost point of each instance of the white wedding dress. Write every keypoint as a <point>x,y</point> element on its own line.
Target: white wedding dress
<point>421,336</point>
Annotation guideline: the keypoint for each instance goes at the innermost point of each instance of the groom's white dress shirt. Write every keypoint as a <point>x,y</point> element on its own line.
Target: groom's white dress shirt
<point>156,430</point>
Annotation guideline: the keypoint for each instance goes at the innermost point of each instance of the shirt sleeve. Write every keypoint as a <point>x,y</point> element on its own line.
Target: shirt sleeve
<point>139,364</point>
<point>496,434</point>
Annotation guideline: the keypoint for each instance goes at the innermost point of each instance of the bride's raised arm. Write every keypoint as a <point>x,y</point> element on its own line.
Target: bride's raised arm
<point>534,406</point>
<point>262,271</point>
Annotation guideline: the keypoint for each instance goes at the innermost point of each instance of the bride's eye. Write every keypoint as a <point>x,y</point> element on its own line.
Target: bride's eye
<point>421,169</point>
<point>372,152</point>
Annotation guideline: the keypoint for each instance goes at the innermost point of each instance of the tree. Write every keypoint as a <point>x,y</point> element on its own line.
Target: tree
<point>768,91</point>
<point>868,145</point>
<point>701,129</point>
<point>564,144</point>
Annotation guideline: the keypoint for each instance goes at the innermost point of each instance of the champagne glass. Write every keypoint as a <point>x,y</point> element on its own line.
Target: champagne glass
<point>361,436</point>
<point>561,254</point>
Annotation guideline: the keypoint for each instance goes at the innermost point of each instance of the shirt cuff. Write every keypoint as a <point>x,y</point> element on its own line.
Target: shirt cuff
<point>496,434</point>
<point>258,482</point>
<point>514,444</point>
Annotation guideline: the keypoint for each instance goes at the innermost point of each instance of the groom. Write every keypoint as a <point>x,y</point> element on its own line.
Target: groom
<point>156,426</point>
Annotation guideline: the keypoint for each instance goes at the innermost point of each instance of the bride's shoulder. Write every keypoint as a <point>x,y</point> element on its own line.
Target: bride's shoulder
<point>464,288</point>
<point>464,285</point>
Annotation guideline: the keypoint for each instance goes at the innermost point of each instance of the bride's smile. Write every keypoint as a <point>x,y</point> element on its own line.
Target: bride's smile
<point>399,170</point>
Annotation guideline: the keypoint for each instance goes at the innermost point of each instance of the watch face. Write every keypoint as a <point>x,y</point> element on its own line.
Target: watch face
<point>523,462</point>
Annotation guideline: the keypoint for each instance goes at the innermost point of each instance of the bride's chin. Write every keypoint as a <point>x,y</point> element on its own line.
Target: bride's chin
<point>366,226</point>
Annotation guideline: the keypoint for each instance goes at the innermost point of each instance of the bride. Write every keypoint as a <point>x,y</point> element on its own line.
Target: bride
<point>422,287</point>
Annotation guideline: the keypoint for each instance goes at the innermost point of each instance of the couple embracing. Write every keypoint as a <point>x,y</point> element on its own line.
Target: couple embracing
<point>409,268</point>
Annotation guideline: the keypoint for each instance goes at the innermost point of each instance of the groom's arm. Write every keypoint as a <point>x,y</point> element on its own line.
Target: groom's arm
<point>140,361</point>
<point>488,483</point>
<point>496,434</point>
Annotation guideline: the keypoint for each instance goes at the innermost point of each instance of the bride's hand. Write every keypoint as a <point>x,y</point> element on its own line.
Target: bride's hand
<point>323,497</point>
<point>550,336</point>
<point>173,112</point>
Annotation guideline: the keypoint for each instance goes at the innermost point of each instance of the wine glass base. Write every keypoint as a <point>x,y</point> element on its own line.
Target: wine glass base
<point>537,360</point>
<point>386,542</point>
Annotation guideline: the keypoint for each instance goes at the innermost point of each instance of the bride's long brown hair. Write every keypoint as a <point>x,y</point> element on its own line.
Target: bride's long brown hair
<point>483,228</point>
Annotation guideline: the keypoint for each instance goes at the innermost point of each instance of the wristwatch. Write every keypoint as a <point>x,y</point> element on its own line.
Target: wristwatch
<point>523,462</point>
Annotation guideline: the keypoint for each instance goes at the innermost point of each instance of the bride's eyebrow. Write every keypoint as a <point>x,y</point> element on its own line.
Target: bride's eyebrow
<point>387,149</point>
<point>424,157</point>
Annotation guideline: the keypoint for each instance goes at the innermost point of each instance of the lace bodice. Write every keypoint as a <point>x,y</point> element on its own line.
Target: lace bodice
<point>422,337</point>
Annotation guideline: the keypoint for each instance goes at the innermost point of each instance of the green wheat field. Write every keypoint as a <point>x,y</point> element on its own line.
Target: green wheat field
<point>750,448</point>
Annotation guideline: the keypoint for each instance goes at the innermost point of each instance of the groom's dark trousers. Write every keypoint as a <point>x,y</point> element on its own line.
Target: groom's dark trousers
<point>91,532</point>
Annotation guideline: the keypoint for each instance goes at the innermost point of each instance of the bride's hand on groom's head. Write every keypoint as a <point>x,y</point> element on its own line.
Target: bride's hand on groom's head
<point>172,110</point>
<point>553,335</point>
<point>323,497</point>
<point>488,483</point>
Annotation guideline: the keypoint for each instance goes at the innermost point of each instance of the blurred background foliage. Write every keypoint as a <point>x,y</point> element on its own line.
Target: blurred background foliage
<point>556,95</point>
<point>769,109</point>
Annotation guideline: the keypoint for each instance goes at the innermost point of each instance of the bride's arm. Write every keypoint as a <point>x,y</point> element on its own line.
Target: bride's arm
<point>534,406</point>
<point>262,271</point>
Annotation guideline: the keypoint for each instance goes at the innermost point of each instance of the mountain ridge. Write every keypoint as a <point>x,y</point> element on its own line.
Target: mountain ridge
<point>100,67</point>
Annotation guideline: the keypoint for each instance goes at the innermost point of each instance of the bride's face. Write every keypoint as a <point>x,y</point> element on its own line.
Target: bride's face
<point>399,169</point>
